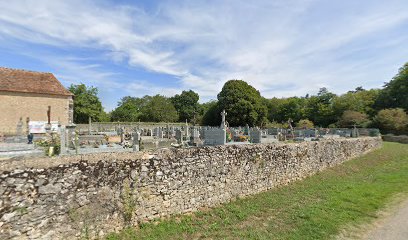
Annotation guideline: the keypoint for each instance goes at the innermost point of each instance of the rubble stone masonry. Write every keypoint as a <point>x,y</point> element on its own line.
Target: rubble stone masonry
<point>61,198</point>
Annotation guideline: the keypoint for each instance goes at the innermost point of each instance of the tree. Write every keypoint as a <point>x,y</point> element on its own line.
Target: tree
<point>319,109</point>
<point>128,110</point>
<point>211,116</point>
<point>395,93</point>
<point>351,118</point>
<point>243,104</point>
<point>393,120</point>
<point>304,123</point>
<point>86,104</point>
<point>360,101</point>
<point>186,105</point>
<point>291,108</point>
<point>159,109</point>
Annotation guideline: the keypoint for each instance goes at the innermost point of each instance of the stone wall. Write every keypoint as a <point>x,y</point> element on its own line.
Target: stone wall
<point>64,197</point>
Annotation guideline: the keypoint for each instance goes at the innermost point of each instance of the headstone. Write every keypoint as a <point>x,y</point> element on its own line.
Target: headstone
<point>179,136</point>
<point>215,136</point>
<point>256,135</point>
<point>355,132</point>
<point>195,137</point>
<point>63,140</point>
<point>186,133</point>
<point>136,141</point>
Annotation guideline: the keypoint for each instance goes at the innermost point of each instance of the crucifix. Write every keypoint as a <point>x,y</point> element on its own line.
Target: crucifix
<point>223,114</point>
<point>49,114</point>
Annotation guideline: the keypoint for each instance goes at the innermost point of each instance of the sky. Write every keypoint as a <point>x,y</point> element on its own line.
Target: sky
<point>134,48</point>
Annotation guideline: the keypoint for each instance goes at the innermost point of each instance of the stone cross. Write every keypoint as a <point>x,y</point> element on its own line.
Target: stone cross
<point>49,114</point>
<point>223,114</point>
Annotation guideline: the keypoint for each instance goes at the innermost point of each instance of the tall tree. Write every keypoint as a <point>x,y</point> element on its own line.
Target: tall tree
<point>186,105</point>
<point>128,110</point>
<point>291,108</point>
<point>86,103</point>
<point>159,109</point>
<point>395,93</point>
<point>211,114</point>
<point>360,101</point>
<point>243,104</point>
<point>319,108</point>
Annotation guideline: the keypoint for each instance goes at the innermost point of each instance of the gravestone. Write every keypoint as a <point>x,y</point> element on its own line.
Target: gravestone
<point>355,133</point>
<point>179,136</point>
<point>256,135</point>
<point>215,136</point>
<point>63,140</point>
<point>195,137</point>
<point>136,141</point>
<point>186,133</point>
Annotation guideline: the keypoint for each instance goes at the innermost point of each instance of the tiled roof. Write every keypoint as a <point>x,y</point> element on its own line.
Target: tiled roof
<point>16,80</point>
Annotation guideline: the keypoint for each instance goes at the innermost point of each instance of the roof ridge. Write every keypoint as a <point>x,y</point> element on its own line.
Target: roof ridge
<point>23,70</point>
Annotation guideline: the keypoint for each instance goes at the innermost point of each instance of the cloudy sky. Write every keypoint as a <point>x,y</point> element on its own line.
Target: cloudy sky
<point>281,47</point>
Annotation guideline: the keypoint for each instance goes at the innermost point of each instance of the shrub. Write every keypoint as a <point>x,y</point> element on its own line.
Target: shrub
<point>392,120</point>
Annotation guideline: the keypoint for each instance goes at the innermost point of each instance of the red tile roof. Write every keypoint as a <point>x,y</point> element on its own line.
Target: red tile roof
<point>16,80</point>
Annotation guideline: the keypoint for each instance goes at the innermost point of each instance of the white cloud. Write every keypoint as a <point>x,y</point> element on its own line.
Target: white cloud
<point>283,48</point>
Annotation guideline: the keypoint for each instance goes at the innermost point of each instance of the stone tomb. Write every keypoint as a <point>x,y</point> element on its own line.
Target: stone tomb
<point>214,136</point>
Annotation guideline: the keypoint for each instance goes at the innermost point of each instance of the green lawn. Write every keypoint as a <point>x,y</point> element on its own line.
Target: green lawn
<point>315,208</point>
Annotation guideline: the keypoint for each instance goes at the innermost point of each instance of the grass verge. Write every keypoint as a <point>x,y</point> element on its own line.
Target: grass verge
<point>318,207</point>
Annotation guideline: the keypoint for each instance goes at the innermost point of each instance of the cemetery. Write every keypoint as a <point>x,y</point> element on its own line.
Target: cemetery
<point>173,168</point>
<point>53,138</point>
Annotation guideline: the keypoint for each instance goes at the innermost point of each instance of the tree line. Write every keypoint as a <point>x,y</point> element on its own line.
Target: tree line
<point>384,108</point>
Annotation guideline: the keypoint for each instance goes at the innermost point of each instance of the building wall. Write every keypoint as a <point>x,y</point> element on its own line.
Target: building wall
<point>60,197</point>
<point>14,106</point>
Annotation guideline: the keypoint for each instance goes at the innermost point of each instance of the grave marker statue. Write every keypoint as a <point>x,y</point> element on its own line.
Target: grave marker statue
<point>223,123</point>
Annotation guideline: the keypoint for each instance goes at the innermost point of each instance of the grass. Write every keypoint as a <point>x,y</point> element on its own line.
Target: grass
<point>318,207</point>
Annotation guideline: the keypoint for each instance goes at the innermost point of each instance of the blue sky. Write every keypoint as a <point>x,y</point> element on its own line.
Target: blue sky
<point>283,48</point>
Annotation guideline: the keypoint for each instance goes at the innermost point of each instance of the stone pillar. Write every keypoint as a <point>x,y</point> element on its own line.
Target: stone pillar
<point>136,141</point>
<point>63,140</point>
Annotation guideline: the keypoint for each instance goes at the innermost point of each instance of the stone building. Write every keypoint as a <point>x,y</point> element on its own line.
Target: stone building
<point>26,96</point>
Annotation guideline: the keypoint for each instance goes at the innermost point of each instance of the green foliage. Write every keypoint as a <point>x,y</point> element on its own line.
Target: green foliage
<point>304,123</point>
<point>128,110</point>
<point>243,104</point>
<point>186,105</point>
<point>86,104</point>
<point>291,108</point>
<point>159,109</point>
<point>351,118</point>
<point>211,116</point>
<point>148,108</point>
<point>395,93</point>
<point>393,120</point>
<point>319,108</point>
<point>360,101</point>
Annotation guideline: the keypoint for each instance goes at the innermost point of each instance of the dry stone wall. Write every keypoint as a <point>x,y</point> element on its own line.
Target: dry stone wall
<point>95,194</point>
